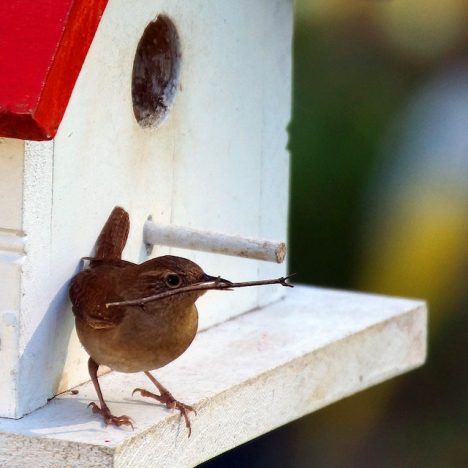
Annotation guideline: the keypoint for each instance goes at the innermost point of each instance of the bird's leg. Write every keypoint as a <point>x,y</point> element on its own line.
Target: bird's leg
<point>167,399</point>
<point>104,410</point>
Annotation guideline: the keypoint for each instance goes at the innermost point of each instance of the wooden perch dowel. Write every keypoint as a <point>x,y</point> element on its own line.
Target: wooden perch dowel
<point>194,239</point>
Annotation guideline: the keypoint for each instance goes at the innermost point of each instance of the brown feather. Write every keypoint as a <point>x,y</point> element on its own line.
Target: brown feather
<point>114,234</point>
<point>89,290</point>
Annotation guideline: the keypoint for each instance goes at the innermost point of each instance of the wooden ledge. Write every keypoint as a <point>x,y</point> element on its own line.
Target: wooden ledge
<point>245,377</point>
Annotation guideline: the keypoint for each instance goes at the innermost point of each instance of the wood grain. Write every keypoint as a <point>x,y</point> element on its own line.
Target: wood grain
<point>245,377</point>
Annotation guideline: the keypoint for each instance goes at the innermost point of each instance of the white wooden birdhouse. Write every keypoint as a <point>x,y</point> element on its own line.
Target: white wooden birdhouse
<point>176,111</point>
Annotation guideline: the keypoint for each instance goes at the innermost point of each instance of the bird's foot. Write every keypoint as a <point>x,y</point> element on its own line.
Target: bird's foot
<point>167,399</point>
<point>109,418</point>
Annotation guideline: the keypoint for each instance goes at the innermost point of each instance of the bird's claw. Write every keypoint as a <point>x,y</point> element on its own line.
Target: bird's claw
<point>171,403</point>
<point>109,418</point>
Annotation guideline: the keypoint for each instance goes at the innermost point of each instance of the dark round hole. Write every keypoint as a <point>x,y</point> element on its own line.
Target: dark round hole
<point>155,72</point>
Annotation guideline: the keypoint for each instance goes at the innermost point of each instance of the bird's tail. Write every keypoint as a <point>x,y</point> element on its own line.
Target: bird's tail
<point>113,237</point>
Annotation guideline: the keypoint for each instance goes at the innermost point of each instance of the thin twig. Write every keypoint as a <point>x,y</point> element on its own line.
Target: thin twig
<point>218,285</point>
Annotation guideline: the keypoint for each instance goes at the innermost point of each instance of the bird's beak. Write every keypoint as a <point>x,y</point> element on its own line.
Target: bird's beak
<point>209,278</point>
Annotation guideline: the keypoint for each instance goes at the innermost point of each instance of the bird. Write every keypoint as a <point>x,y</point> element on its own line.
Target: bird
<point>138,317</point>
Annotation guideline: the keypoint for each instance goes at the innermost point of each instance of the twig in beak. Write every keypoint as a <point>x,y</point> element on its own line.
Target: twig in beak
<point>218,284</point>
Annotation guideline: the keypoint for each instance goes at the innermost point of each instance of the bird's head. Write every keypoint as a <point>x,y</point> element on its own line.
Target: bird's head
<point>170,272</point>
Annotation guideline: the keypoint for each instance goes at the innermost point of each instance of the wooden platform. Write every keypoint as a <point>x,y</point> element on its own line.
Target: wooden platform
<point>245,377</point>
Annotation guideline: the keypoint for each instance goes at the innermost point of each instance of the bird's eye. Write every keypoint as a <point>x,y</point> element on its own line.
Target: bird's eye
<point>172,281</point>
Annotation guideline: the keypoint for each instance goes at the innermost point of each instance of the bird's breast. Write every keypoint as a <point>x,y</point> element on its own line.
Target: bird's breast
<point>143,341</point>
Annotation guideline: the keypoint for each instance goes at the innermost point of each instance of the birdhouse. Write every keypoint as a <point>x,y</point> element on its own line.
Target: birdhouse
<point>157,107</point>
<point>177,111</point>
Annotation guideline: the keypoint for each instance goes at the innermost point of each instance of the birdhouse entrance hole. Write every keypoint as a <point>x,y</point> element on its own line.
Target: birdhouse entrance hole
<point>155,72</point>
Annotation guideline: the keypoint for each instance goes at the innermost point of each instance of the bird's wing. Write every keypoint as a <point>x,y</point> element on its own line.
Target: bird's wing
<point>113,237</point>
<point>89,292</point>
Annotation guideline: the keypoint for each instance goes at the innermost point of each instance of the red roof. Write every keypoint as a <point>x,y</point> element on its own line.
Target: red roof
<point>43,44</point>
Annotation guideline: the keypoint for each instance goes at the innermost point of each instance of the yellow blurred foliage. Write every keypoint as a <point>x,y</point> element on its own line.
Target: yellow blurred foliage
<point>327,11</point>
<point>422,28</point>
<point>419,250</point>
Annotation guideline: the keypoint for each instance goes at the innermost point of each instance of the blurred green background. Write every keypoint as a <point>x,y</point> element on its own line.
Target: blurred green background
<point>379,202</point>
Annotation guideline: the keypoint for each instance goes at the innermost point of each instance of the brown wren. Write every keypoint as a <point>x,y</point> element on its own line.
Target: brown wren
<point>138,317</point>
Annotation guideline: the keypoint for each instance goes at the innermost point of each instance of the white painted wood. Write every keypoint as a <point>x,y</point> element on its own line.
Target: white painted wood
<point>209,166</point>
<point>40,333</point>
<point>11,258</point>
<point>275,163</point>
<point>245,377</point>
<point>11,184</point>
<point>216,242</point>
